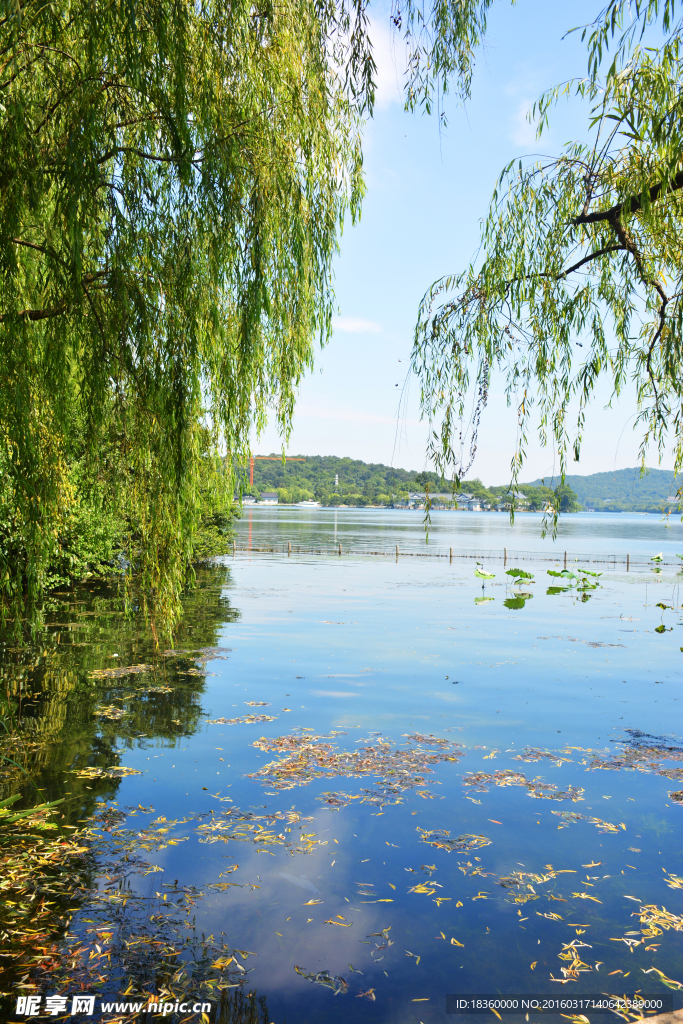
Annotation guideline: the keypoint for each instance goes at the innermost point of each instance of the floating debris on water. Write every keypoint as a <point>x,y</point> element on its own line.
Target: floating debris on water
<point>111,711</point>
<point>234,825</point>
<point>654,920</point>
<point>243,720</point>
<point>113,772</point>
<point>401,768</point>
<point>535,754</point>
<point>539,790</point>
<point>123,670</point>
<point>603,826</point>
<point>441,838</point>
<point>336,983</point>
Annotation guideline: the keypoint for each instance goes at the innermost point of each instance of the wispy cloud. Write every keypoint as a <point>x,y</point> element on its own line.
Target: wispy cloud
<point>355,325</point>
<point>523,132</point>
<point>333,693</point>
<point>390,54</point>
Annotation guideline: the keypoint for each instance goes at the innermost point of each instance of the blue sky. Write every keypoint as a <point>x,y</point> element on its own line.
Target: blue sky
<point>427,192</point>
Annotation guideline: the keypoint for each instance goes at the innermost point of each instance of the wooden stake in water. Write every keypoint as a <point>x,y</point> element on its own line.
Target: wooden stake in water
<point>565,559</point>
<point>628,561</point>
<point>397,552</point>
<point>340,547</point>
<point>505,556</point>
<point>234,548</point>
<point>289,548</point>
<point>451,556</point>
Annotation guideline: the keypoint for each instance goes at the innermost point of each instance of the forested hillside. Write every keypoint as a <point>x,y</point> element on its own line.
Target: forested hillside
<point>624,490</point>
<point>362,483</point>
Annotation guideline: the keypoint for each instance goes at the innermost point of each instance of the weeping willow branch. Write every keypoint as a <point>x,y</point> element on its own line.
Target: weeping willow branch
<point>551,323</point>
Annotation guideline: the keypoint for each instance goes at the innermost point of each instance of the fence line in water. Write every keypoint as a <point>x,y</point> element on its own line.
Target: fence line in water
<point>567,558</point>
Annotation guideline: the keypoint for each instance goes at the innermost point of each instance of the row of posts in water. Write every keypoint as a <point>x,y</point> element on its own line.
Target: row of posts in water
<point>429,554</point>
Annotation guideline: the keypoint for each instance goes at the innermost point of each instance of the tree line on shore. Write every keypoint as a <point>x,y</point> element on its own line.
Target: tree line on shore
<point>343,481</point>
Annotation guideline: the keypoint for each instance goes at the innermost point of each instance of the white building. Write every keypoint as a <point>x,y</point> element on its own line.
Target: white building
<point>268,498</point>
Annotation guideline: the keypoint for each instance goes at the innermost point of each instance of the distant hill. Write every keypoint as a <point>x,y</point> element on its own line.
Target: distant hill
<point>333,480</point>
<point>622,490</point>
<point>361,483</point>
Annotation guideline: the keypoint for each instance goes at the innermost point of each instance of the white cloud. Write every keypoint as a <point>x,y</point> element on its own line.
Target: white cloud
<point>333,693</point>
<point>523,133</point>
<point>355,325</point>
<point>390,55</point>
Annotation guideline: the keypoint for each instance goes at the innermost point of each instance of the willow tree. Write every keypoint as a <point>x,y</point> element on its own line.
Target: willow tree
<point>581,272</point>
<point>173,178</point>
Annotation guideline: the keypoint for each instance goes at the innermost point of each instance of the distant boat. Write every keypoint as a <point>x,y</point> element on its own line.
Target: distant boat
<point>308,504</point>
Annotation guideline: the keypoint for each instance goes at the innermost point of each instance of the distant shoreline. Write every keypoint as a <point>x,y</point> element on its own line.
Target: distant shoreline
<point>460,511</point>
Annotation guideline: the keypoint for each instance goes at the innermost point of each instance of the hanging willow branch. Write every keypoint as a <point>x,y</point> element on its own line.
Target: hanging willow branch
<point>582,273</point>
<point>173,178</point>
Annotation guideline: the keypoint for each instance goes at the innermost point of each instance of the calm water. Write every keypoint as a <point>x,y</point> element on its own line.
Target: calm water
<point>593,535</point>
<point>524,842</point>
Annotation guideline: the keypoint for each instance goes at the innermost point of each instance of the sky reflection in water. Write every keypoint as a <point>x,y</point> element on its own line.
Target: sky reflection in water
<point>378,650</point>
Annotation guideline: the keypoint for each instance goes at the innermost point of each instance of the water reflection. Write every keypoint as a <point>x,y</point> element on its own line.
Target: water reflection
<point>610,538</point>
<point>70,723</point>
<point>314,806</point>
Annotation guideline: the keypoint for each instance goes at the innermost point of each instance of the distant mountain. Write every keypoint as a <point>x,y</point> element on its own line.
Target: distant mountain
<point>623,490</point>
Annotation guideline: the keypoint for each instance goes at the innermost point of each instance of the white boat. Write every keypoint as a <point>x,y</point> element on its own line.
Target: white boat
<point>308,504</point>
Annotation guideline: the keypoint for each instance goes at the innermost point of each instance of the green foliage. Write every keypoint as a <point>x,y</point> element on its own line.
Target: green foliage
<point>9,818</point>
<point>579,581</point>
<point>518,601</point>
<point>519,575</point>
<point>565,499</point>
<point>435,64</point>
<point>96,529</point>
<point>359,482</point>
<point>581,275</point>
<point>624,490</point>
<point>362,484</point>
<point>173,180</point>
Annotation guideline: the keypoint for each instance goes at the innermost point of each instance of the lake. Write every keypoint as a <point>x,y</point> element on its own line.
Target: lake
<point>596,536</point>
<point>521,742</point>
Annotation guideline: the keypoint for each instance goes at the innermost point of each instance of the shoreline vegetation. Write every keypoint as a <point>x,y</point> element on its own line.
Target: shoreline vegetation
<point>99,535</point>
<point>352,483</point>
